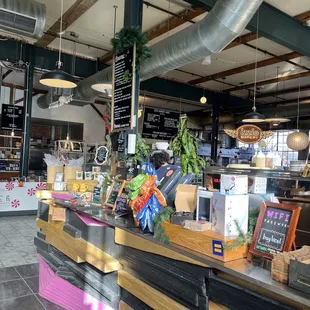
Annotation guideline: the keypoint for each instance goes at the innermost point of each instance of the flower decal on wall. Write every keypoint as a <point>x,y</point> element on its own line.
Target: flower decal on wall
<point>41,186</point>
<point>15,203</point>
<point>31,192</point>
<point>9,186</point>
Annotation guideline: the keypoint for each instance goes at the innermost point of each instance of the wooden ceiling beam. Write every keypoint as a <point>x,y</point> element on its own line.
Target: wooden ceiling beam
<point>283,92</point>
<point>6,74</point>
<point>244,68</point>
<point>69,17</point>
<point>172,23</point>
<point>270,81</point>
<point>291,101</point>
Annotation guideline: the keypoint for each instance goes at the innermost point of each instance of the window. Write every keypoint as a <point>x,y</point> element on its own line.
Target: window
<point>276,143</point>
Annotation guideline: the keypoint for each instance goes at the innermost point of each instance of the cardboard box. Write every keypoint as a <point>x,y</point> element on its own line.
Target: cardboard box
<point>225,210</point>
<point>186,197</point>
<point>257,185</point>
<point>234,184</point>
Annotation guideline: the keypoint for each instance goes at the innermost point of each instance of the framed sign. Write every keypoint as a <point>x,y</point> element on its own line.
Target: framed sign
<point>123,90</point>
<point>160,124</point>
<point>12,117</point>
<point>249,134</point>
<point>101,156</point>
<point>115,192</point>
<point>275,229</point>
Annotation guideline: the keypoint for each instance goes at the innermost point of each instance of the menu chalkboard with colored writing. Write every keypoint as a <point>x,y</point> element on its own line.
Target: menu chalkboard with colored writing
<point>160,124</point>
<point>115,192</point>
<point>12,117</point>
<point>275,229</point>
<point>123,96</point>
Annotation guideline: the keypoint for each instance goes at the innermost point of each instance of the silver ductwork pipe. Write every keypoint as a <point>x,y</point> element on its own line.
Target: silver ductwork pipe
<point>223,24</point>
<point>23,17</point>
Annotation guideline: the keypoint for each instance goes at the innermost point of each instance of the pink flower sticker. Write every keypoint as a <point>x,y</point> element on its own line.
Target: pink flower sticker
<point>15,203</point>
<point>9,186</point>
<point>41,186</point>
<point>31,192</point>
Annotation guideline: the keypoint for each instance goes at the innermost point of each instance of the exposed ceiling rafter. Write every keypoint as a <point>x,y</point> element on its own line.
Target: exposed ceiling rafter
<point>6,74</point>
<point>283,92</point>
<point>69,17</point>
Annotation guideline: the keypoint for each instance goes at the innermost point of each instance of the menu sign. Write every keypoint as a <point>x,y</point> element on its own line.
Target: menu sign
<point>123,98</point>
<point>275,229</point>
<point>160,124</point>
<point>12,117</point>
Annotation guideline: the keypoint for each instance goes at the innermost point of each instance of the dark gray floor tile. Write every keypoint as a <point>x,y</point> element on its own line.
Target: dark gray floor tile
<point>14,289</point>
<point>33,284</point>
<point>7,274</point>
<point>22,303</point>
<point>26,271</point>
<point>49,305</point>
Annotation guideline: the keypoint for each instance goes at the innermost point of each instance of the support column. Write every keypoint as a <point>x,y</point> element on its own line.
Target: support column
<point>133,17</point>
<point>215,129</point>
<point>28,86</point>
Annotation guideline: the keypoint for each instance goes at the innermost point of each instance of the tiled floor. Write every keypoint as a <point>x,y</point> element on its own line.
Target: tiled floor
<point>19,288</point>
<point>16,240</point>
<point>19,272</point>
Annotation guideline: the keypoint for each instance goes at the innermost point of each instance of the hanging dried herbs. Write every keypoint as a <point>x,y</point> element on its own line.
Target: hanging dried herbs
<point>142,151</point>
<point>186,146</point>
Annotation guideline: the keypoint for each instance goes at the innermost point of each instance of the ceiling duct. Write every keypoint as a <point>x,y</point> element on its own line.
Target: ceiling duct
<point>24,17</point>
<point>223,24</point>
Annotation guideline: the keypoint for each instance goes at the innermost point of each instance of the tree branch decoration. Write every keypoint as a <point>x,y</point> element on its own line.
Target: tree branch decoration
<point>128,37</point>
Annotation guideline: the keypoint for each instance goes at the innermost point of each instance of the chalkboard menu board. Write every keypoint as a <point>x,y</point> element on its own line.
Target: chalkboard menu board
<point>160,124</point>
<point>275,229</point>
<point>12,117</point>
<point>115,191</point>
<point>121,142</point>
<point>124,78</point>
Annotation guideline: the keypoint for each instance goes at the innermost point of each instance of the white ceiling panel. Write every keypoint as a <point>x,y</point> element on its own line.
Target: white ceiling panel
<point>291,7</point>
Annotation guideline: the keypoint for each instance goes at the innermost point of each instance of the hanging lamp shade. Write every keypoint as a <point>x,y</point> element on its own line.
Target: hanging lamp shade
<point>253,117</point>
<point>58,78</point>
<point>297,141</point>
<point>102,87</point>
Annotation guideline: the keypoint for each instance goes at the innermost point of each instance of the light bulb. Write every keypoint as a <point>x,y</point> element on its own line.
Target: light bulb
<point>68,137</point>
<point>203,100</point>
<point>139,113</point>
<point>12,133</point>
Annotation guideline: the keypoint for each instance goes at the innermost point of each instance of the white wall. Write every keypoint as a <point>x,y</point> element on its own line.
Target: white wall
<point>94,126</point>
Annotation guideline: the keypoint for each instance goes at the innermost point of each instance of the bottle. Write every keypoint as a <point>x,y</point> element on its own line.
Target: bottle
<point>277,160</point>
<point>260,160</point>
<point>253,161</point>
<point>269,160</point>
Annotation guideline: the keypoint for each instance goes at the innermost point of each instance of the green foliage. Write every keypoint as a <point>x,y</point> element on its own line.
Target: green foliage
<point>159,218</point>
<point>142,151</point>
<point>129,36</point>
<point>244,238</point>
<point>186,146</point>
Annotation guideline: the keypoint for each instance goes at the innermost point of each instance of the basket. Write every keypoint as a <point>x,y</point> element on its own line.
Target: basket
<point>70,173</point>
<point>51,172</point>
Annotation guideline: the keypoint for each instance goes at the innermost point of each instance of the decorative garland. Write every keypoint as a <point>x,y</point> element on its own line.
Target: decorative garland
<point>159,231</point>
<point>128,37</point>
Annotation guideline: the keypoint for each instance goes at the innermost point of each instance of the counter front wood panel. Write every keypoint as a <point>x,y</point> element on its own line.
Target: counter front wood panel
<point>125,238</point>
<point>146,293</point>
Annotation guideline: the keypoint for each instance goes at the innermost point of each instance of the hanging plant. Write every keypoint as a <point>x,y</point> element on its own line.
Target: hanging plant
<point>186,146</point>
<point>142,151</point>
<point>126,38</point>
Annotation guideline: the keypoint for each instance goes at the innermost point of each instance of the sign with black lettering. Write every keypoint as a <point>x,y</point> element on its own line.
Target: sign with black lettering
<point>124,86</point>
<point>160,124</point>
<point>275,229</point>
<point>12,117</point>
<point>115,192</point>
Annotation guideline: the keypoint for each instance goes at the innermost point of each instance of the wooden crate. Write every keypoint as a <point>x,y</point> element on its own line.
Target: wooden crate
<point>207,242</point>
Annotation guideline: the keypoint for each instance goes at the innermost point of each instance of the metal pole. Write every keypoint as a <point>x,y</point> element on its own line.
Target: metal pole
<point>215,130</point>
<point>28,86</point>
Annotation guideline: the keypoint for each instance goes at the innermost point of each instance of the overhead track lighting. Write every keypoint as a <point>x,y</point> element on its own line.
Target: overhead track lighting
<point>58,78</point>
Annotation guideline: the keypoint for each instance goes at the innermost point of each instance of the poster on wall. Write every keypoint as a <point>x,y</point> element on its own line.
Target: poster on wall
<point>123,90</point>
<point>160,124</point>
<point>12,117</point>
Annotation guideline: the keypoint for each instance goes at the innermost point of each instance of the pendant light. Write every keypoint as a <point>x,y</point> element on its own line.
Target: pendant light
<point>254,117</point>
<point>58,78</point>
<point>297,140</point>
<point>106,87</point>
<point>276,120</point>
<point>203,99</point>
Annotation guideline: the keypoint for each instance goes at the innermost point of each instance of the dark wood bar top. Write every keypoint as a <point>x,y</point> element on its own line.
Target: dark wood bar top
<point>239,271</point>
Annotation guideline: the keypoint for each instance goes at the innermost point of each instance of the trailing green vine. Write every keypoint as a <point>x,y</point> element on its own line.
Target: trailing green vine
<point>127,37</point>
<point>186,146</point>
<point>159,218</point>
<point>142,151</point>
<point>244,238</point>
